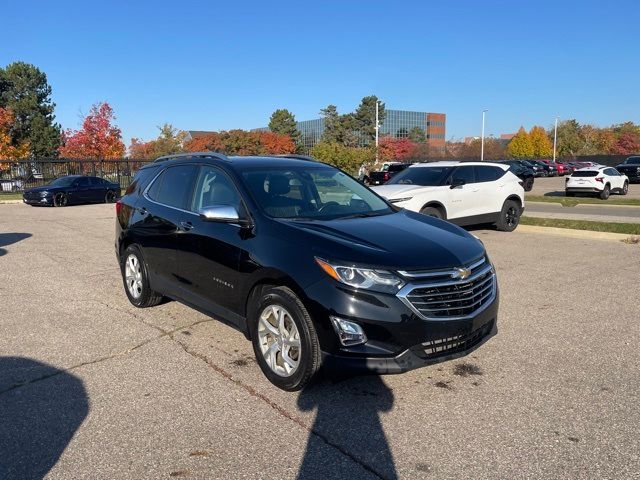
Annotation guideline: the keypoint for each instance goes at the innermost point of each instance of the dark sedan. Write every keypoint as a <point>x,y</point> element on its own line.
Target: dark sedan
<point>73,189</point>
<point>631,168</point>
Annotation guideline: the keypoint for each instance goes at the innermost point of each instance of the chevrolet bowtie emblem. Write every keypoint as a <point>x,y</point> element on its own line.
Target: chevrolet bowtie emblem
<point>461,273</point>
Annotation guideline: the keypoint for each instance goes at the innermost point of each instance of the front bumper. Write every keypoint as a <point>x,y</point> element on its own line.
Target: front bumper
<point>398,340</point>
<point>48,200</point>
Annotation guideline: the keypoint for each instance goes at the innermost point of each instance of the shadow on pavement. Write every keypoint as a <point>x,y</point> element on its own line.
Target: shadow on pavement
<point>9,238</point>
<point>554,194</point>
<point>39,419</point>
<point>347,417</point>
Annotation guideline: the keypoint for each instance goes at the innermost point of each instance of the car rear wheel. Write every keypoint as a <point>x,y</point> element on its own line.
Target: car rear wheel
<point>60,200</point>
<point>432,212</point>
<point>625,188</point>
<point>528,184</point>
<point>509,216</point>
<point>110,196</point>
<point>605,192</point>
<point>284,339</point>
<point>136,279</point>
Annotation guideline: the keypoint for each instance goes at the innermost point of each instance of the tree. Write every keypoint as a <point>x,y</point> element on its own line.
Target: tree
<point>24,90</point>
<point>627,144</point>
<point>494,149</point>
<point>395,148</point>
<point>97,139</point>
<point>333,125</point>
<point>417,135</point>
<point>274,144</point>
<point>520,145</point>
<point>569,140</point>
<point>542,147</point>
<point>283,122</point>
<point>8,151</point>
<point>347,158</point>
<point>141,150</point>
<point>169,141</point>
<point>365,117</point>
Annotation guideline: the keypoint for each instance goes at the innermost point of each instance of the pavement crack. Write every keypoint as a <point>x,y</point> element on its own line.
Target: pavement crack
<point>280,410</point>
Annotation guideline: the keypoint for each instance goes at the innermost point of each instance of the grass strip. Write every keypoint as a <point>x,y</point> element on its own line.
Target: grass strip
<point>10,196</point>
<point>626,228</point>
<point>573,201</point>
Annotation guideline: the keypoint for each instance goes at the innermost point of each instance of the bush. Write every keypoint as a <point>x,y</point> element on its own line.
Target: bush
<point>348,159</point>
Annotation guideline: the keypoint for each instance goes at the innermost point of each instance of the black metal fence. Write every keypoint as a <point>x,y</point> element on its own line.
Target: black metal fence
<point>16,176</point>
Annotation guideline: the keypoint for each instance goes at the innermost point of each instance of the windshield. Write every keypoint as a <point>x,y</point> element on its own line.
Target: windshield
<point>633,161</point>
<point>63,182</point>
<point>423,176</point>
<point>311,192</point>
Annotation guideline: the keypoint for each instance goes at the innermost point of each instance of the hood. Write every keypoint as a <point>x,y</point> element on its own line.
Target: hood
<point>399,241</point>
<point>45,188</point>
<point>398,190</point>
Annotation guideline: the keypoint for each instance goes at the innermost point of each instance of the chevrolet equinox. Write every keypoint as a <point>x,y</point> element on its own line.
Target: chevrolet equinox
<point>313,267</point>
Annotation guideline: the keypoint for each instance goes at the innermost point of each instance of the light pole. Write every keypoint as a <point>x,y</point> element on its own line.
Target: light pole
<point>482,137</point>
<point>555,139</point>
<point>377,128</point>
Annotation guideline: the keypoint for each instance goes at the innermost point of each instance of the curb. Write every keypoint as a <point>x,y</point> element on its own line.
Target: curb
<point>572,233</point>
<point>527,202</point>
<point>7,202</point>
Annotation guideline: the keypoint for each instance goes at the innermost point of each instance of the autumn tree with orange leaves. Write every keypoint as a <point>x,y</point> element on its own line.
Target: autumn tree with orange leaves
<point>9,151</point>
<point>98,138</point>
<point>242,142</point>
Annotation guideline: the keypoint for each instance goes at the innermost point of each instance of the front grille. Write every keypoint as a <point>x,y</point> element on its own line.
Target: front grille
<point>440,296</point>
<point>457,343</point>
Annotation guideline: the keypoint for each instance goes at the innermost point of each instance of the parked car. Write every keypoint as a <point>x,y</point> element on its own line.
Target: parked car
<point>550,170</point>
<point>561,168</point>
<point>73,189</point>
<point>571,167</point>
<point>525,174</point>
<point>631,168</point>
<point>538,170</point>
<point>383,176</point>
<point>463,193</point>
<point>312,266</point>
<point>601,181</point>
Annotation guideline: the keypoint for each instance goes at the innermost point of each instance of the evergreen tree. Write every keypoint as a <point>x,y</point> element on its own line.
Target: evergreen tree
<point>365,117</point>
<point>283,122</point>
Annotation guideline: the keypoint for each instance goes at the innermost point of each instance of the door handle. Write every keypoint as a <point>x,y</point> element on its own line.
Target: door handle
<point>143,211</point>
<point>186,226</point>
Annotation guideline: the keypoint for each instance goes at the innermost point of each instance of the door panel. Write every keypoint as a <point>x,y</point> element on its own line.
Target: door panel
<point>462,197</point>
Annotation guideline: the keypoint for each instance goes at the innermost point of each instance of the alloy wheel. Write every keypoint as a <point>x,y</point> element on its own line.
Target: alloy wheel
<point>133,276</point>
<point>279,340</point>
<point>511,216</point>
<point>60,200</point>
<point>110,196</point>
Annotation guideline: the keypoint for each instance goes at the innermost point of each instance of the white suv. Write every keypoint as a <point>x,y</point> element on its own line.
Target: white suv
<point>601,181</point>
<point>463,193</point>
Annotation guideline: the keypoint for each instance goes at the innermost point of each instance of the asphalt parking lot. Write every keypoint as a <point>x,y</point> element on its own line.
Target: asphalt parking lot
<point>91,387</point>
<point>554,186</point>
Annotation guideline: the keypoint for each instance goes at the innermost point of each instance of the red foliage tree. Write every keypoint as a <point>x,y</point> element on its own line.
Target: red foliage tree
<point>97,139</point>
<point>627,144</point>
<point>242,142</point>
<point>275,144</point>
<point>396,148</point>
<point>141,150</point>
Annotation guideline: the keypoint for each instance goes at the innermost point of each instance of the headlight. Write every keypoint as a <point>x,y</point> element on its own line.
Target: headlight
<point>366,278</point>
<point>398,200</point>
<point>44,194</point>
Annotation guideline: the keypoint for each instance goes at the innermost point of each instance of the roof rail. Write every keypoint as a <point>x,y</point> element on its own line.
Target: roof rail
<point>217,155</point>
<point>296,156</point>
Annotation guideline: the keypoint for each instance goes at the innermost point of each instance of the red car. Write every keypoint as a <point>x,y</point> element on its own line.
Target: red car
<point>562,168</point>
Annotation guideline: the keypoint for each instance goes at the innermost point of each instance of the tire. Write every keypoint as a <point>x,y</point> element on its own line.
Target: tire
<point>140,294</point>
<point>528,184</point>
<point>432,212</point>
<point>271,348</point>
<point>60,200</point>
<point>509,216</point>
<point>606,192</point>
<point>110,196</point>
<point>625,188</point>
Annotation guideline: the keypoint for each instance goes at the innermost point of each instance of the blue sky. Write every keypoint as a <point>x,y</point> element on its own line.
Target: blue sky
<point>211,66</point>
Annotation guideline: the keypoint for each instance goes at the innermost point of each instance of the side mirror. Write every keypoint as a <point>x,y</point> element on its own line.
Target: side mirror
<point>222,214</point>
<point>457,182</point>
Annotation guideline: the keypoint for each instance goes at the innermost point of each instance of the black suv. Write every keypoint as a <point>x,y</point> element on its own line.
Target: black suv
<point>631,168</point>
<point>312,266</point>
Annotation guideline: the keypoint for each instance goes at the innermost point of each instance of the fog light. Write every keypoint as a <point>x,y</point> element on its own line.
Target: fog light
<point>349,333</point>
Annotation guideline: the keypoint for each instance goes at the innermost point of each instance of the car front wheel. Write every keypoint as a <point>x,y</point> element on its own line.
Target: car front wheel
<point>509,216</point>
<point>432,212</point>
<point>284,339</point>
<point>60,200</point>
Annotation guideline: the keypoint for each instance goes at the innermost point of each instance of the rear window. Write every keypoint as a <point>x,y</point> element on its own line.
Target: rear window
<point>141,179</point>
<point>586,173</point>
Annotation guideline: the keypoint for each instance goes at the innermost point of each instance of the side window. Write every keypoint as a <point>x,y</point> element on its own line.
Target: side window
<point>488,174</point>
<point>611,171</point>
<point>82,182</point>
<point>465,173</point>
<point>173,186</point>
<point>214,187</point>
